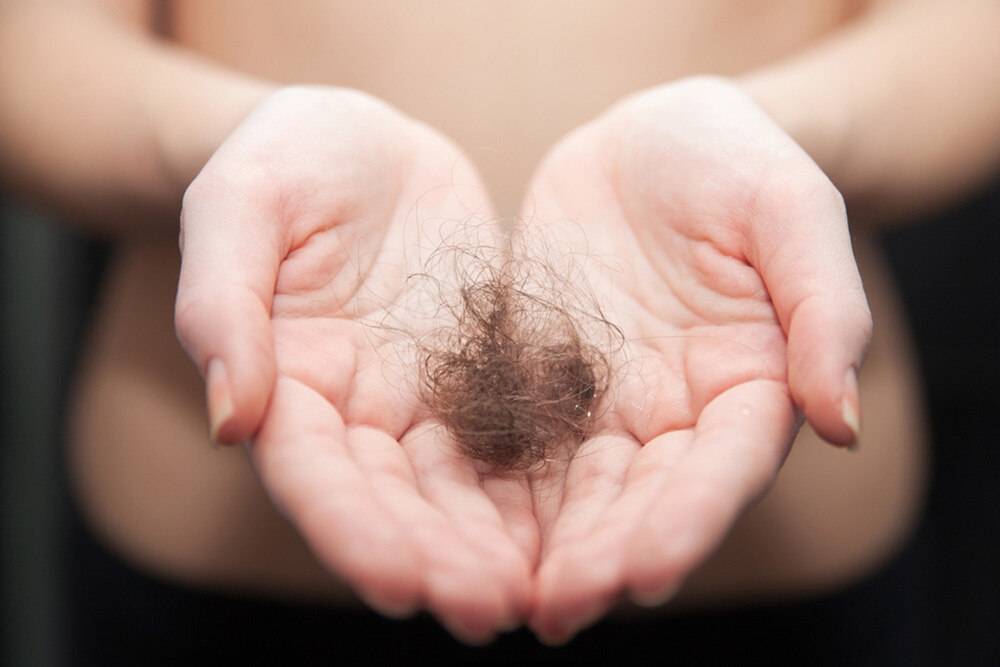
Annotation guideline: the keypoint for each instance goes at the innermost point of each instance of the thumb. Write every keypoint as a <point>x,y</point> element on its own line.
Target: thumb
<point>222,314</point>
<point>802,248</point>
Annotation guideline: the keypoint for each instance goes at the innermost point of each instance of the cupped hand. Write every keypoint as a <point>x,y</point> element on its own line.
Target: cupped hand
<point>729,269</point>
<point>299,240</point>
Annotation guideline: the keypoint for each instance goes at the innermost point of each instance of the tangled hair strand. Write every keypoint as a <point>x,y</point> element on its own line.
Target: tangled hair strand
<point>516,374</point>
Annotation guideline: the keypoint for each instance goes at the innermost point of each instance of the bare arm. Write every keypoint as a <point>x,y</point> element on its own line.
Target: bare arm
<point>102,122</point>
<point>902,110</point>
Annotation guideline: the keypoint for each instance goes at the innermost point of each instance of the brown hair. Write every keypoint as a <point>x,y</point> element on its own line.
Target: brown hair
<point>516,373</point>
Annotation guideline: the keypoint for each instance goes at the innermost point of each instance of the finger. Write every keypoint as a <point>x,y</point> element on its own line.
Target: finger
<point>592,481</point>
<point>230,257</point>
<point>607,493</point>
<point>740,442</point>
<point>802,247</point>
<point>512,498</point>
<point>457,583</point>
<point>451,484</point>
<point>302,459</point>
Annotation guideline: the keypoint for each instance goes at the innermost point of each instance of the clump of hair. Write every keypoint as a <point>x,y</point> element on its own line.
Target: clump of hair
<point>520,370</point>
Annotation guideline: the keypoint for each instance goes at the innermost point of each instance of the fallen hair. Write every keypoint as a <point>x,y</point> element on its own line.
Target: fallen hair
<point>520,371</point>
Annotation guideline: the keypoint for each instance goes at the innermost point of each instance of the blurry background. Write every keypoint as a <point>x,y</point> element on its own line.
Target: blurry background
<point>48,277</point>
<point>947,268</point>
<point>949,274</point>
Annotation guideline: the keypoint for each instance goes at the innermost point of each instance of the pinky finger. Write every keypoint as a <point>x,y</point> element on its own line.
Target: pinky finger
<point>302,459</point>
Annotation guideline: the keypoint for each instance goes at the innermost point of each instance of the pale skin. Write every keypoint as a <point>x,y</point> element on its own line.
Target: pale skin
<point>350,458</point>
<point>555,548</point>
<point>355,464</point>
<point>727,328</point>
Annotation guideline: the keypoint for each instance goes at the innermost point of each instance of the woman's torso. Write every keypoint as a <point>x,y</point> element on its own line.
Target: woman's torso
<point>505,80</point>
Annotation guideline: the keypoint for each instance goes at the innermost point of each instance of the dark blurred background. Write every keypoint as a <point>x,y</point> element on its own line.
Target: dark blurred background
<point>950,279</point>
<point>48,278</point>
<point>949,274</point>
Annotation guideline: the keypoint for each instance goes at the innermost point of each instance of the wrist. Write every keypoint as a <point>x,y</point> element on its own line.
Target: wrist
<point>192,118</point>
<point>806,112</point>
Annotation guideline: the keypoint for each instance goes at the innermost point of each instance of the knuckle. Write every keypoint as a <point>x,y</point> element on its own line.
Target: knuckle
<point>187,315</point>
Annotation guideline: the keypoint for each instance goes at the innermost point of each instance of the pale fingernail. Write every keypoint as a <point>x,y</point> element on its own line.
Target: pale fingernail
<point>220,400</point>
<point>584,618</point>
<point>655,597</point>
<point>509,624</point>
<point>389,608</point>
<point>555,639</point>
<point>849,406</point>
<point>471,637</point>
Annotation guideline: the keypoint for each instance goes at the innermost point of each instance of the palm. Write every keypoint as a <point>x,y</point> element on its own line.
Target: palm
<point>671,195</point>
<point>352,197</point>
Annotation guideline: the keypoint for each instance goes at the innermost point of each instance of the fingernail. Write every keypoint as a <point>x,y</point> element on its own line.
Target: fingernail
<point>396,611</point>
<point>220,401</point>
<point>470,636</point>
<point>656,597</point>
<point>555,639</point>
<point>849,405</point>
<point>388,606</point>
<point>570,628</point>
<point>510,624</point>
<point>474,639</point>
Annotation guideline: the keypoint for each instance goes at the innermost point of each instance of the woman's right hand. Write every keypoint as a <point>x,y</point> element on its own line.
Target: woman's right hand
<point>299,239</point>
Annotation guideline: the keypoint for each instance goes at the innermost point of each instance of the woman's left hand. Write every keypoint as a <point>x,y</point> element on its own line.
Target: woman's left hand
<point>731,275</point>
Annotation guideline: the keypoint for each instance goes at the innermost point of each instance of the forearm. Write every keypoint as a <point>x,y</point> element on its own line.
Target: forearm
<point>103,124</point>
<point>902,110</point>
